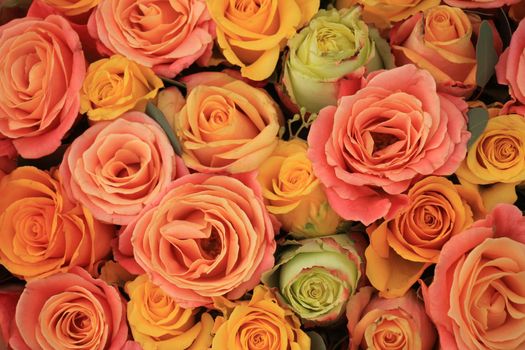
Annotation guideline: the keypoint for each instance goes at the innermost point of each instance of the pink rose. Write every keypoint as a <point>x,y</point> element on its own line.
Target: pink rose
<point>165,35</point>
<point>511,63</point>
<point>205,236</point>
<point>369,149</point>
<point>41,72</point>
<point>70,311</point>
<point>477,298</point>
<point>384,324</point>
<point>118,167</point>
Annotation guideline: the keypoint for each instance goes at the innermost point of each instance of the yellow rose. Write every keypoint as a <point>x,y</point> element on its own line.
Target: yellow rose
<point>293,194</point>
<point>116,85</point>
<point>382,13</point>
<point>497,158</point>
<point>72,7</point>
<point>158,323</point>
<point>258,324</point>
<point>252,33</point>
<point>402,248</point>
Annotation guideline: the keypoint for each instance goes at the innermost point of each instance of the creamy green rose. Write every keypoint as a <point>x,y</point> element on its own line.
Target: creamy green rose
<point>315,277</point>
<point>330,56</point>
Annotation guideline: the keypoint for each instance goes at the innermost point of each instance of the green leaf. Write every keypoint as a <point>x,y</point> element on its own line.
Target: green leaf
<point>477,122</point>
<point>157,115</point>
<point>171,82</point>
<point>486,55</point>
<point>317,341</point>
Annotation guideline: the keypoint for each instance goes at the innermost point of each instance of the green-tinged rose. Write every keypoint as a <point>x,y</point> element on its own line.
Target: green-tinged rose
<point>293,194</point>
<point>315,277</point>
<point>329,57</point>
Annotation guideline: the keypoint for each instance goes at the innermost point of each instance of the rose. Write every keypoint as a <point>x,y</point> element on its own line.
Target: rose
<point>118,167</point>
<point>383,324</point>
<point>328,58</point>
<point>205,236</point>
<point>440,41</point>
<point>480,4</point>
<point>167,36</point>
<point>9,296</point>
<point>370,148</point>
<point>72,7</point>
<point>226,124</point>
<point>476,298</point>
<point>42,231</point>
<point>116,85</point>
<point>496,158</point>
<point>41,75</point>
<point>68,311</point>
<point>402,248</point>
<point>293,194</point>
<point>510,64</point>
<point>251,34</point>
<point>315,277</point>
<point>260,323</point>
<point>157,322</point>
<point>382,13</point>
<point>170,101</point>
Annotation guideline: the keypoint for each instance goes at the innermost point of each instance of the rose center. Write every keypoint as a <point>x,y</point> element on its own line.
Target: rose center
<point>211,247</point>
<point>248,6</point>
<point>382,141</point>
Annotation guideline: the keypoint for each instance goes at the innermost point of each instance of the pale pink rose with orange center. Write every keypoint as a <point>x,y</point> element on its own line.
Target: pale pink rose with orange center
<point>118,167</point>
<point>477,298</point>
<point>370,148</point>
<point>41,70</point>
<point>70,311</point>
<point>167,36</point>
<point>511,63</point>
<point>205,236</point>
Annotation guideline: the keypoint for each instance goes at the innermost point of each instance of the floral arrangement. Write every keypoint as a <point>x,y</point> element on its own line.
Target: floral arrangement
<point>262,174</point>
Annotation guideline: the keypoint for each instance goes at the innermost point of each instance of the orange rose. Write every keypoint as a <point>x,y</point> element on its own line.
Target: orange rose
<point>477,297</point>
<point>402,248</point>
<point>70,311</point>
<point>226,124</point>
<point>205,236</point>
<point>388,324</point>
<point>251,33</point>
<point>41,73</point>
<point>117,167</point>
<point>42,231</point>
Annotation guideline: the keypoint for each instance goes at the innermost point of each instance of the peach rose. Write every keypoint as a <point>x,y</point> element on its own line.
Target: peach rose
<point>260,323</point>
<point>70,311</point>
<point>477,298</point>
<point>388,324</point>
<point>402,248</point>
<point>369,149</point>
<point>252,33</point>
<point>167,36</point>
<point>42,72</point>
<point>42,231</point>
<point>440,41</point>
<point>480,4</point>
<point>205,236</point>
<point>118,167</point>
<point>158,322</point>
<point>226,124</point>
<point>510,64</point>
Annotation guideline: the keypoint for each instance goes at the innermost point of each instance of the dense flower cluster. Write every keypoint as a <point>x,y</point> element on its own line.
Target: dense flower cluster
<point>262,175</point>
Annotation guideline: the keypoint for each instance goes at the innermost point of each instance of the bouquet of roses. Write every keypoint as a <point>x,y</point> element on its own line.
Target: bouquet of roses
<point>262,174</point>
